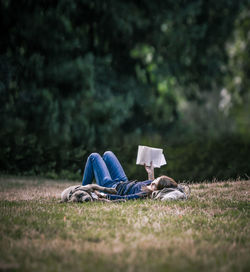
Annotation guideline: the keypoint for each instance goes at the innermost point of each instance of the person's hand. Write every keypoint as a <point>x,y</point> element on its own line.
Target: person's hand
<point>113,191</point>
<point>150,170</point>
<point>100,194</point>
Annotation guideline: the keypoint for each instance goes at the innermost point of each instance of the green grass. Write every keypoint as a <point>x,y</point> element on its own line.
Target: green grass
<point>209,232</point>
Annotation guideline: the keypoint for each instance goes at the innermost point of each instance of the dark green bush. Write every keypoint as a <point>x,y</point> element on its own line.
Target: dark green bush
<point>224,157</point>
<point>85,76</point>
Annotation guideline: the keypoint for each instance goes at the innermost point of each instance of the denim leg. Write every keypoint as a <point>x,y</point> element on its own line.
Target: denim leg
<point>115,169</point>
<point>96,167</point>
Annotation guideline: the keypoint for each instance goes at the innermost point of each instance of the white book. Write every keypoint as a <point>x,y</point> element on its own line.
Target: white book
<point>147,154</point>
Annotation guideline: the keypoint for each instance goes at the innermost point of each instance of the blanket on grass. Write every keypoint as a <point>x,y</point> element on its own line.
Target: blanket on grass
<point>182,192</point>
<point>77,193</point>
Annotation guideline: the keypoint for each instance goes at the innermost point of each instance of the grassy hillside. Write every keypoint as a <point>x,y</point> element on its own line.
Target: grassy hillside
<point>209,232</point>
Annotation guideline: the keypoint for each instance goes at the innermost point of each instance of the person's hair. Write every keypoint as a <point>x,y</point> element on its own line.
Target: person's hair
<point>164,182</point>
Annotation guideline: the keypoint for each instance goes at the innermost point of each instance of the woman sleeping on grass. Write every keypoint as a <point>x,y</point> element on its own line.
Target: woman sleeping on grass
<point>109,173</point>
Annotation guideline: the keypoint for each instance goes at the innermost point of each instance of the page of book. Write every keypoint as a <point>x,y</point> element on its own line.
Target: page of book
<point>147,154</point>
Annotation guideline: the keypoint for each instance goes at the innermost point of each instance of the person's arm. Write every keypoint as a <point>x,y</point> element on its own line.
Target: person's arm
<point>150,171</point>
<point>127,197</point>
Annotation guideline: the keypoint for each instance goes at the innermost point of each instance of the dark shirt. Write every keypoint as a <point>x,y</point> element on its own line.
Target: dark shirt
<point>130,190</point>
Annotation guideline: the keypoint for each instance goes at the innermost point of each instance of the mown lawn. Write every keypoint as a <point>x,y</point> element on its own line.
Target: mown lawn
<point>209,232</point>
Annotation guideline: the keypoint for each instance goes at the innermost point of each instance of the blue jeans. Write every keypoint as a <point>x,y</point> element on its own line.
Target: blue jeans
<point>107,170</point>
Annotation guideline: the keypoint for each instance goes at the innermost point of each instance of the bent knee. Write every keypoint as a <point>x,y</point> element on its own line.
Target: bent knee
<point>108,153</point>
<point>94,155</point>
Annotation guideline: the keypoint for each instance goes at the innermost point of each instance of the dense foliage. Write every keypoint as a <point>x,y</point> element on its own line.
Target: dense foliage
<point>84,76</point>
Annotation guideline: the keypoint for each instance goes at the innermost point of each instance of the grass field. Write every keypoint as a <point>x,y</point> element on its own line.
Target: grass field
<point>209,232</point>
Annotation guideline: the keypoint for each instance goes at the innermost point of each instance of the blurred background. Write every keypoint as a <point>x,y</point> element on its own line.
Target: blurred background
<point>87,76</point>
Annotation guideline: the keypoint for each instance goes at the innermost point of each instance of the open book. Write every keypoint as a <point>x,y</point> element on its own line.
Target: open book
<point>147,154</point>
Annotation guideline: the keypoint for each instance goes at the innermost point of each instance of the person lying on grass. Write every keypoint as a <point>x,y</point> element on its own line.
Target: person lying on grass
<point>109,173</point>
